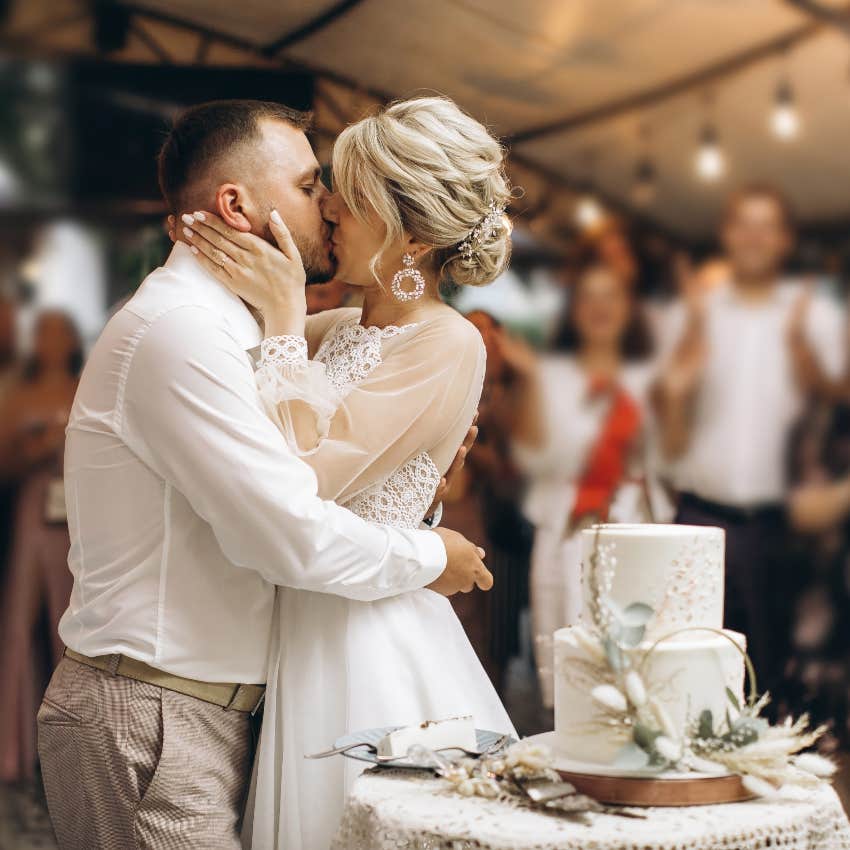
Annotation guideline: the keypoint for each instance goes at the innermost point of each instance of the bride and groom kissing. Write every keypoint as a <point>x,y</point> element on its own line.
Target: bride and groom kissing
<point>247,485</point>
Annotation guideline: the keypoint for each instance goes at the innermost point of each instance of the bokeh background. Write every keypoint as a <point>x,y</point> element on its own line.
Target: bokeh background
<point>628,123</point>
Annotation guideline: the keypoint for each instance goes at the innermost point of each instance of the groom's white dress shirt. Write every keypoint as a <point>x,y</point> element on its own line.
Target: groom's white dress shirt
<point>185,505</point>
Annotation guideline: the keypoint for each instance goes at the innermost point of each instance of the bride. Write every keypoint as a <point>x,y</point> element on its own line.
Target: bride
<point>379,412</point>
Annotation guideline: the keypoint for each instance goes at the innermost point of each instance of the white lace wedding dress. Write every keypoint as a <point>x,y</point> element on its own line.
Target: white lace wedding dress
<point>379,414</point>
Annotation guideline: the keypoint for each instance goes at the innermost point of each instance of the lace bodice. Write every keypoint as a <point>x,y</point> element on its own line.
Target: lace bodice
<point>378,412</point>
<point>351,353</point>
<point>402,499</point>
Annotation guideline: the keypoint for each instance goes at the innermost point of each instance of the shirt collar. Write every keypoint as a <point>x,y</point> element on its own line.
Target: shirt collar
<point>231,307</point>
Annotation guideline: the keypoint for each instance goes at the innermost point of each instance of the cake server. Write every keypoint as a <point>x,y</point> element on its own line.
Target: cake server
<point>336,751</point>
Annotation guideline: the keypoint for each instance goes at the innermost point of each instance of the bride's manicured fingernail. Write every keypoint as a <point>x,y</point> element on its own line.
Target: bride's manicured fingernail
<point>193,249</point>
<point>186,218</point>
<point>188,233</point>
<point>275,217</point>
<point>200,216</point>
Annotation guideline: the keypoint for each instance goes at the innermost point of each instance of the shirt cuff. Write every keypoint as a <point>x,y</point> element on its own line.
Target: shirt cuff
<point>286,353</point>
<point>432,557</point>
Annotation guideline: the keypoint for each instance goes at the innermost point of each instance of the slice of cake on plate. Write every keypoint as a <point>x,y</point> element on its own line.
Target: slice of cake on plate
<point>456,732</point>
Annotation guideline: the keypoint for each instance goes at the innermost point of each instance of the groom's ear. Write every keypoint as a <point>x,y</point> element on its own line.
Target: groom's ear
<point>231,205</point>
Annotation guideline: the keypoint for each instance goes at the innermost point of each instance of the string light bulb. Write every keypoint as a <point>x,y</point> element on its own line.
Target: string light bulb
<point>710,159</point>
<point>784,119</point>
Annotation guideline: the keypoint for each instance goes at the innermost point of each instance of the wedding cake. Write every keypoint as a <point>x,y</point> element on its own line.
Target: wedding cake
<point>650,659</point>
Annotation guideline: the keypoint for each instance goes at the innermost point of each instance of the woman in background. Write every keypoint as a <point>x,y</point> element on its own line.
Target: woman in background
<point>579,430</point>
<point>484,504</point>
<point>38,584</point>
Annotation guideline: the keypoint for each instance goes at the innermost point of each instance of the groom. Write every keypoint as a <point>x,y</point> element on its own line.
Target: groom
<point>186,508</point>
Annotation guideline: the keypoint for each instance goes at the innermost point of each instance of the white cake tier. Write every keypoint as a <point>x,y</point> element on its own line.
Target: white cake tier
<point>685,674</point>
<point>675,569</point>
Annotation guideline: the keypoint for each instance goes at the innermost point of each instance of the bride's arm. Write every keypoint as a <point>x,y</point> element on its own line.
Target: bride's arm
<point>421,398</point>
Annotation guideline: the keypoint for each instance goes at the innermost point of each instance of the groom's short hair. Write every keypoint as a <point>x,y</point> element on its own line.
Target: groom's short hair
<point>203,134</point>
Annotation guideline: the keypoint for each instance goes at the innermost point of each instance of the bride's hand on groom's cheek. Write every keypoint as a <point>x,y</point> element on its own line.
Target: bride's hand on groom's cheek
<point>271,279</point>
<point>465,568</point>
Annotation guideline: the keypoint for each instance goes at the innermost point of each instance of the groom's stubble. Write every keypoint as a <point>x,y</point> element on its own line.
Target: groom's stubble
<point>319,267</point>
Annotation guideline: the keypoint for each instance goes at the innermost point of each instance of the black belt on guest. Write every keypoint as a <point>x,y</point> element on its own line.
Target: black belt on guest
<point>733,513</point>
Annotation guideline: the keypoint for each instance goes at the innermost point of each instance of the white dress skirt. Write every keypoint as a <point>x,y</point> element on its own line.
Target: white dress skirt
<point>338,665</point>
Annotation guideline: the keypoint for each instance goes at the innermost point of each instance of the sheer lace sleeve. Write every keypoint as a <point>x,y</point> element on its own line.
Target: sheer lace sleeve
<point>395,394</point>
<point>296,391</point>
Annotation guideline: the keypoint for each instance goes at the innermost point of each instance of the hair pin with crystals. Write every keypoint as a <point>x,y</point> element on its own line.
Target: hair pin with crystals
<point>491,224</point>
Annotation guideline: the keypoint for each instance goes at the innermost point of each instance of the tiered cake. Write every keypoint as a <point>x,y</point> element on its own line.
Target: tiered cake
<point>668,578</point>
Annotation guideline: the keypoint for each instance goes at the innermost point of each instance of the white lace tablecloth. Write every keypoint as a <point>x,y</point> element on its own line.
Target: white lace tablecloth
<point>397,810</point>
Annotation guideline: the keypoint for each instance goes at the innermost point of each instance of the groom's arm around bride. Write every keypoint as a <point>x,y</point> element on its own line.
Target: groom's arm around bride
<point>186,507</point>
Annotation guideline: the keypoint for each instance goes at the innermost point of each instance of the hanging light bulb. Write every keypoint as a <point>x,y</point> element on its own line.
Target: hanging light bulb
<point>784,120</point>
<point>588,212</point>
<point>710,161</point>
<point>644,188</point>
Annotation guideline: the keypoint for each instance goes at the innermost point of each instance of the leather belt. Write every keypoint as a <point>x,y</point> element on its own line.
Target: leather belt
<point>234,697</point>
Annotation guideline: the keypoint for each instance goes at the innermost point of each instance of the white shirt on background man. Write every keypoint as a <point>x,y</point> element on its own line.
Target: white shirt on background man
<point>185,505</point>
<point>748,400</point>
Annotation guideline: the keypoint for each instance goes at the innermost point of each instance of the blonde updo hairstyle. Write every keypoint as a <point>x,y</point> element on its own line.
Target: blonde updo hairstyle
<point>427,168</point>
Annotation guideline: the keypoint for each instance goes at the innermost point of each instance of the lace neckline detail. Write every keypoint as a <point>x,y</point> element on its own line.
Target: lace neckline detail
<point>383,333</point>
<point>351,351</point>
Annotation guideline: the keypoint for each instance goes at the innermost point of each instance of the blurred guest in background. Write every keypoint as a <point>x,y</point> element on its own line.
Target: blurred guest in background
<point>8,377</point>
<point>737,374</point>
<point>819,670</point>
<point>8,348</point>
<point>608,244</point>
<point>819,508</point>
<point>580,428</point>
<point>483,503</point>
<point>38,584</point>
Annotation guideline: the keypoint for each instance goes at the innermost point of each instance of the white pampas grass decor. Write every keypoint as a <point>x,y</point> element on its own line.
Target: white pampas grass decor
<point>591,646</point>
<point>757,786</point>
<point>635,689</point>
<point>668,748</point>
<point>815,764</point>
<point>663,718</point>
<point>610,697</point>
<point>702,765</point>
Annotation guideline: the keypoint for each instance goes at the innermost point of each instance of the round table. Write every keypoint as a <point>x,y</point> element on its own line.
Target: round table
<point>409,810</point>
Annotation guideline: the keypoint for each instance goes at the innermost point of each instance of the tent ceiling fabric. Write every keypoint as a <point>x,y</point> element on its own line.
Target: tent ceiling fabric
<point>522,65</point>
<point>258,21</point>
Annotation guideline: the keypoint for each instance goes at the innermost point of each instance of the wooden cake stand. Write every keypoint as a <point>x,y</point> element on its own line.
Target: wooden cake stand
<point>628,788</point>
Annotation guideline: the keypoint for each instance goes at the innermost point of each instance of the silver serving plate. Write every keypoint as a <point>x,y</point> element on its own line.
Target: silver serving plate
<point>485,739</point>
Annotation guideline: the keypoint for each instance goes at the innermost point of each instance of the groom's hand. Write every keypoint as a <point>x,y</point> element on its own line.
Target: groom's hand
<point>454,470</point>
<point>464,566</point>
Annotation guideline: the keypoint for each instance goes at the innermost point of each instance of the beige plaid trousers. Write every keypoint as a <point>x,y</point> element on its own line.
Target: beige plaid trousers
<point>131,766</point>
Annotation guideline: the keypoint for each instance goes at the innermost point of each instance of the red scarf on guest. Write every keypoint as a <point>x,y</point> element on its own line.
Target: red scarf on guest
<point>606,465</point>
